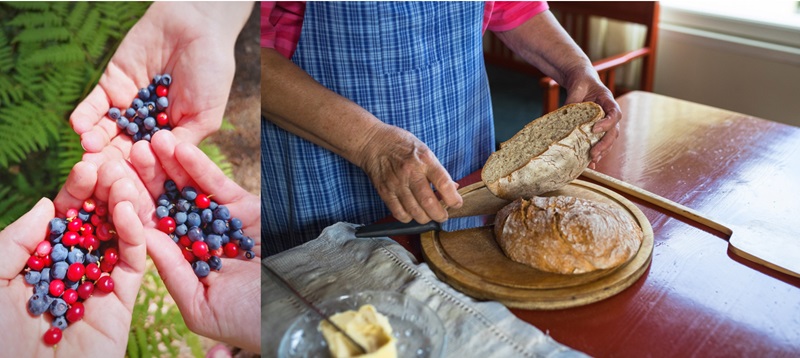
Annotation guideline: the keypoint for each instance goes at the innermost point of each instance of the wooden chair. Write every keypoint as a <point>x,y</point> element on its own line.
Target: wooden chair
<point>574,16</point>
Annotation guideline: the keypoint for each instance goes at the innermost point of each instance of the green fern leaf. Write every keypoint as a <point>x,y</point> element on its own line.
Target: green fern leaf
<point>58,54</point>
<point>29,5</point>
<point>215,154</point>
<point>35,19</point>
<point>44,34</point>
<point>77,15</point>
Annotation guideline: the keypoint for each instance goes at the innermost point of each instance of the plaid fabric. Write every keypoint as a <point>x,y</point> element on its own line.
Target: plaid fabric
<point>415,65</point>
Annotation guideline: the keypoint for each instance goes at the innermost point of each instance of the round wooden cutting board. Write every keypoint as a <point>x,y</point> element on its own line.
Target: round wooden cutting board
<point>472,262</point>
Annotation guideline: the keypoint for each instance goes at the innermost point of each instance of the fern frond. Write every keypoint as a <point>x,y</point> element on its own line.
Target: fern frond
<point>29,5</point>
<point>6,54</point>
<point>89,27</point>
<point>70,152</point>
<point>35,19</point>
<point>215,154</point>
<point>41,34</point>
<point>57,54</point>
<point>77,15</point>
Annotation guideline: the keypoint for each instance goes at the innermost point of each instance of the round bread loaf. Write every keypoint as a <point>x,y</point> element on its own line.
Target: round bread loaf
<point>566,235</point>
<point>546,154</point>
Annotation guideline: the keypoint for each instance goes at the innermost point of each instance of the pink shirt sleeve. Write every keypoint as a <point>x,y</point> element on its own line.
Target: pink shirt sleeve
<point>281,23</point>
<point>501,16</point>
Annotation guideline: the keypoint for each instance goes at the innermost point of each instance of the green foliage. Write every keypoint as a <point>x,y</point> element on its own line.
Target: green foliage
<point>158,326</point>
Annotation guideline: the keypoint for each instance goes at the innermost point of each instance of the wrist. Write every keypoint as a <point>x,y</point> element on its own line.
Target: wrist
<point>210,20</point>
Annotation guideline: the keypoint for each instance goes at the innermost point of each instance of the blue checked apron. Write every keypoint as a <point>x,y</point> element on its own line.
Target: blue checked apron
<point>415,65</point>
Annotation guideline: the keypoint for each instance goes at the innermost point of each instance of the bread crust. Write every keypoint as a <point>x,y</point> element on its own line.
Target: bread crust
<point>566,235</point>
<point>562,161</point>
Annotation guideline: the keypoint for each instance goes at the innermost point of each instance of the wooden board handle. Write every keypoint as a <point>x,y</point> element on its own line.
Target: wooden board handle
<point>656,200</point>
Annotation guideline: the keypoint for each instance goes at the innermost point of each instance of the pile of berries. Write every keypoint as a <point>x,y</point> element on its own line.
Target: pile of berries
<point>74,260</point>
<point>146,115</point>
<point>203,229</point>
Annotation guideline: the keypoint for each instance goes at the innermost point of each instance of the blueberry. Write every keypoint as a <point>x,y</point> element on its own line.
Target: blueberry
<point>57,226</point>
<point>147,137</point>
<point>137,103</point>
<point>144,93</point>
<point>215,263</point>
<point>222,213</point>
<point>151,106</point>
<point>60,323</point>
<point>137,137</point>
<point>83,215</point>
<point>73,285</point>
<point>41,288</point>
<point>249,254</point>
<point>207,216</point>
<point>58,253</point>
<point>189,193</point>
<point>166,79</point>
<point>214,241</point>
<point>59,270</point>
<point>225,239</point>
<point>56,239</point>
<point>175,238</point>
<point>162,211</point>
<point>183,205</point>
<point>237,234</point>
<point>33,277</point>
<point>152,88</point>
<point>37,304</point>
<point>236,224</point>
<point>156,79</point>
<point>114,113</point>
<point>170,186</point>
<point>76,256</point>
<point>45,276</point>
<point>149,123</point>
<point>246,243</point>
<point>181,230</point>
<point>195,234</point>
<point>213,205</point>
<point>163,200</point>
<point>219,227</point>
<point>201,268</point>
<point>180,217</point>
<point>193,219</point>
<point>90,259</point>
<point>130,112</point>
<point>58,308</point>
<point>132,129</point>
<point>162,103</point>
<point>142,112</point>
<point>122,123</point>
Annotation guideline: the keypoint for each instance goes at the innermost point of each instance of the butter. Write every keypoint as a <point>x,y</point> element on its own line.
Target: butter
<point>367,327</point>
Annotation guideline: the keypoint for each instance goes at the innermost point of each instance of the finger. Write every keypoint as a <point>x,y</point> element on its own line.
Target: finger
<point>187,135</point>
<point>132,251</point>
<point>445,186</point>
<point>393,204</point>
<point>148,168</point>
<point>177,274</point>
<point>110,173</point>
<point>108,154</point>
<point>601,147</point>
<point>206,175</point>
<point>90,111</point>
<point>163,143</point>
<point>21,237</point>
<point>612,118</point>
<point>79,186</point>
<point>410,205</point>
<point>427,200</point>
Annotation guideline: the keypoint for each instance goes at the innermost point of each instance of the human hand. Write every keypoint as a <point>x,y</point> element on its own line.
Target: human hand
<point>402,169</point>
<point>194,43</point>
<point>222,305</point>
<point>591,89</point>
<point>104,329</point>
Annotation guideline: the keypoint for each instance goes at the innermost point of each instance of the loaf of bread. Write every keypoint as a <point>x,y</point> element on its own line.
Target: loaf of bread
<point>566,235</point>
<point>546,154</point>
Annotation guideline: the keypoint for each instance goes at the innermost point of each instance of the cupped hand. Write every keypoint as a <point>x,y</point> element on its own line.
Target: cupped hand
<point>223,305</point>
<point>402,169</point>
<point>194,43</point>
<point>104,329</point>
<point>592,90</point>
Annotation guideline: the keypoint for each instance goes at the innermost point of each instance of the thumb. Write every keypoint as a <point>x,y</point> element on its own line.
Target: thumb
<point>21,237</point>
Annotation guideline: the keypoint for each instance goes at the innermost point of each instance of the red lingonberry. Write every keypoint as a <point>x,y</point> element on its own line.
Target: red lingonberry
<point>105,284</point>
<point>106,266</point>
<point>70,238</point>
<point>199,249</point>
<point>101,209</point>
<point>202,201</point>
<point>74,225</point>
<point>162,91</point>
<point>93,271</point>
<point>111,255</point>
<point>87,228</point>
<point>218,252</point>
<point>72,213</point>
<point>104,232</point>
<point>44,248</point>
<point>70,296</point>
<point>52,336</point>
<point>85,290</point>
<point>96,220</point>
<point>47,261</point>
<point>231,250</point>
<point>89,205</point>
<point>75,312</point>
<point>166,225</point>
<point>90,242</point>
<point>184,241</point>
<point>75,271</point>
<point>56,288</point>
<point>35,263</point>
<point>162,119</point>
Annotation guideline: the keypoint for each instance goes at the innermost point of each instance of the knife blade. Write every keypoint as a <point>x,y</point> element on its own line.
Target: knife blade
<point>313,308</point>
<point>413,227</point>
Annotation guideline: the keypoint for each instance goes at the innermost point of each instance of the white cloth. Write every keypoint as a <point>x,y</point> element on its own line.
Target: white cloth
<point>337,263</point>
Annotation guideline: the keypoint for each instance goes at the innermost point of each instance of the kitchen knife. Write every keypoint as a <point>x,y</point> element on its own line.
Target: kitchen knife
<point>413,227</point>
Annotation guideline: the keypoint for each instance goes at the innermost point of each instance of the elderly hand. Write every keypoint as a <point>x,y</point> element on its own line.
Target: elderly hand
<point>590,89</point>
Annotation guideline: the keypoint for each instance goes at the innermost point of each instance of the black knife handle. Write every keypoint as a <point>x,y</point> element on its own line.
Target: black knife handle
<point>396,228</point>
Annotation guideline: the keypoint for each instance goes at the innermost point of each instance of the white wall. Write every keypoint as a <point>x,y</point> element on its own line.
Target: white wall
<point>746,75</point>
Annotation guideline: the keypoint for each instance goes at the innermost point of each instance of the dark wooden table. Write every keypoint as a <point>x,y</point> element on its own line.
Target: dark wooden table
<point>697,298</point>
